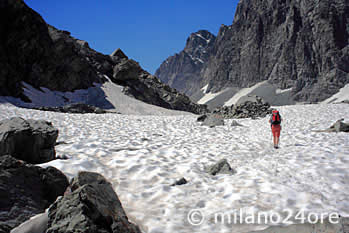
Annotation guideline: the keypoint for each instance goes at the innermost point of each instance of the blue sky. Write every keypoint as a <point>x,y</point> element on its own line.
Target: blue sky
<point>148,31</point>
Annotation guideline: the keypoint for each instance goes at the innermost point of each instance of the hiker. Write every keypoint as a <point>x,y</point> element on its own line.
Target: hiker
<point>275,122</point>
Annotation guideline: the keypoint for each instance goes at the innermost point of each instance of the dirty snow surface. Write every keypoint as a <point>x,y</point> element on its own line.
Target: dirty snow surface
<point>143,155</point>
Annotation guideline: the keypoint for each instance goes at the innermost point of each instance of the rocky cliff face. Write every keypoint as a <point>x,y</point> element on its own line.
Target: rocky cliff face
<point>298,44</point>
<point>182,71</point>
<point>28,53</point>
<point>36,53</point>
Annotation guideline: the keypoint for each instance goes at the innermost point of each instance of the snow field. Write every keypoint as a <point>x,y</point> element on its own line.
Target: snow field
<point>143,155</point>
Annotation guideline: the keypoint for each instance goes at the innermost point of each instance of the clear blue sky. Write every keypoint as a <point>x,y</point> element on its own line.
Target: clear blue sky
<point>148,31</point>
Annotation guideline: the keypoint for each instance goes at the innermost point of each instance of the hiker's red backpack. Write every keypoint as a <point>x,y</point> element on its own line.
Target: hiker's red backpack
<point>275,118</point>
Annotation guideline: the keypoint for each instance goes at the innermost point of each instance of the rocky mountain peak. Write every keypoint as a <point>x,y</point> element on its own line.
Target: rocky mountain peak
<point>198,39</point>
<point>182,71</point>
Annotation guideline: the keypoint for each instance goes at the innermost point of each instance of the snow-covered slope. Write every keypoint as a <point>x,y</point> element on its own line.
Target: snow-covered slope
<point>107,96</point>
<point>229,96</point>
<point>143,155</point>
<point>342,95</point>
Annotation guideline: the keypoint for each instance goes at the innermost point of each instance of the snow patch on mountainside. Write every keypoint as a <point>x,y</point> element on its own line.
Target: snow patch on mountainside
<point>209,96</point>
<point>342,95</point>
<point>107,96</point>
<point>267,91</point>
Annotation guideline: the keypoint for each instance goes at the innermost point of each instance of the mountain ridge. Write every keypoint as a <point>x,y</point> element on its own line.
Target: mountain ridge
<point>42,56</point>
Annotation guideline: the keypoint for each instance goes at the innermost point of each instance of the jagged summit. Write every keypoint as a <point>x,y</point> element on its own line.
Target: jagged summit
<point>182,71</point>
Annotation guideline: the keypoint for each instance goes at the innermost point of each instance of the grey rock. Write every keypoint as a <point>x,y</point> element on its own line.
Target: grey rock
<point>213,120</point>
<point>92,206</point>
<point>74,108</point>
<point>221,167</point>
<point>180,182</point>
<point>30,140</point>
<point>26,190</point>
<point>182,71</point>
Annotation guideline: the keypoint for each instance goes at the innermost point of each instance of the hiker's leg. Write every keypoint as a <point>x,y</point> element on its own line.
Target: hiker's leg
<point>276,141</point>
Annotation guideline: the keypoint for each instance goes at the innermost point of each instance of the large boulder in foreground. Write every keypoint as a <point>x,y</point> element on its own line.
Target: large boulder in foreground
<point>26,190</point>
<point>30,140</point>
<point>91,207</point>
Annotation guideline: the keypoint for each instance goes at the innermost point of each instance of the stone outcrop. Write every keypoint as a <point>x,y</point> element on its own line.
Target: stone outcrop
<point>249,107</point>
<point>30,140</point>
<point>182,71</point>
<point>40,55</point>
<point>92,206</point>
<point>26,190</point>
<point>298,44</point>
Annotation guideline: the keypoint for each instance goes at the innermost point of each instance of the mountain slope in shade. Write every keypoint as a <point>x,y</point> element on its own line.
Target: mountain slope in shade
<point>182,71</point>
<point>37,54</point>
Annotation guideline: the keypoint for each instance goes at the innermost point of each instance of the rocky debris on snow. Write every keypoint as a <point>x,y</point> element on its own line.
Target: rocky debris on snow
<point>30,140</point>
<point>247,107</point>
<point>213,120</point>
<point>74,108</point>
<point>221,167</point>
<point>235,123</point>
<point>180,182</point>
<point>338,126</point>
<point>26,190</point>
<point>91,207</point>
<point>201,118</point>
